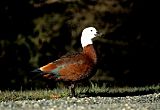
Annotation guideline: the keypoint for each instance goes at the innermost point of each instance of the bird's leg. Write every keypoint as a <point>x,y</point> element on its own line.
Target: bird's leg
<point>72,89</point>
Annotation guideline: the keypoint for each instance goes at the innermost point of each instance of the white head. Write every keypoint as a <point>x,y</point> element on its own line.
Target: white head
<point>87,35</point>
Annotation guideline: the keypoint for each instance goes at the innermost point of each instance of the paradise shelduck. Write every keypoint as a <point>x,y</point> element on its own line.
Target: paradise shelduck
<point>75,67</point>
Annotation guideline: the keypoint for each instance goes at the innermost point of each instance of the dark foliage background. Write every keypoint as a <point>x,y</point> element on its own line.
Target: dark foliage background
<point>35,32</point>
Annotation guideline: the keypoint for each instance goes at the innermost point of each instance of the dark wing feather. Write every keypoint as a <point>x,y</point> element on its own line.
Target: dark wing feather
<point>76,67</point>
<point>69,68</point>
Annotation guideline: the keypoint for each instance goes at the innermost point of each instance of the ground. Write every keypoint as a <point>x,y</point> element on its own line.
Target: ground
<point>94,97</point>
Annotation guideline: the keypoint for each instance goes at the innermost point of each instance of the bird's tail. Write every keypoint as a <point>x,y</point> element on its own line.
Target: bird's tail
<point>37,71</point>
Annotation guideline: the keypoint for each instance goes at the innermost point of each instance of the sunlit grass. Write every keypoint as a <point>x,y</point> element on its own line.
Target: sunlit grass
<point>94,89</point>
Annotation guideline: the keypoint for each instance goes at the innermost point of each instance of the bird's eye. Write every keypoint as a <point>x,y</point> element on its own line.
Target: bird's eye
<point>91,30</point>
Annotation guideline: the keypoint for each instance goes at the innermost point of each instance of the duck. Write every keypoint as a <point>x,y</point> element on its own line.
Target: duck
<point>75,67</point>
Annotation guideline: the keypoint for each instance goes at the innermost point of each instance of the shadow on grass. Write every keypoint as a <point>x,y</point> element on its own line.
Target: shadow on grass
<point>119,89</point>
<point>124,94</point>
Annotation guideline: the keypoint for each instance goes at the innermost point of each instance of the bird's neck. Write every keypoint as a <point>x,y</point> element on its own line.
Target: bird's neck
<point>90,52</point>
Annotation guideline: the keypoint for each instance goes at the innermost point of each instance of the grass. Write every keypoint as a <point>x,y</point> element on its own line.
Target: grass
<point>93,90</point>
<point>121,91</point>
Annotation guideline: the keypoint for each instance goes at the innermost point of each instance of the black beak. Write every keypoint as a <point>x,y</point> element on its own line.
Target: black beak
<point>98,34</point>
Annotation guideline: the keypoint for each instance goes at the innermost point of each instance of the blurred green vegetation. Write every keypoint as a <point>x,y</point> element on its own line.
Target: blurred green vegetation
<point>36,32</point>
